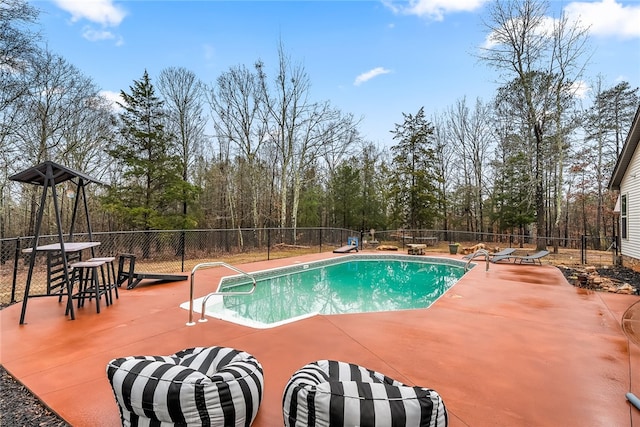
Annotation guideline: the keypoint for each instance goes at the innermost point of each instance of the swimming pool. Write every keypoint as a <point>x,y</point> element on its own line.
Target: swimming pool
<point>350,284</point>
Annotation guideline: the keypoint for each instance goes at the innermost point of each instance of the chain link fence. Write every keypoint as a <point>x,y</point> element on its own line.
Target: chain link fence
<point>179,251</point>
<point>431,237</point>
<point>166,251</point>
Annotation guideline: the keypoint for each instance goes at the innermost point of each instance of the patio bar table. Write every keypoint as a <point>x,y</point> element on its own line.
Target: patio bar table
<point>68,247</point>
<point>64,248</point>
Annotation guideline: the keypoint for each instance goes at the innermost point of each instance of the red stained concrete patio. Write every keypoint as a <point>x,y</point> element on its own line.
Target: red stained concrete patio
<point>514,346</point>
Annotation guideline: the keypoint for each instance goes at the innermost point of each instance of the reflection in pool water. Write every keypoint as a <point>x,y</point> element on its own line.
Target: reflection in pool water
<point>354,286</point>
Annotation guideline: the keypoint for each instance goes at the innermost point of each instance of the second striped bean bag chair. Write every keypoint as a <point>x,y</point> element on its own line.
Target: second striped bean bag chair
<point>332,393</point>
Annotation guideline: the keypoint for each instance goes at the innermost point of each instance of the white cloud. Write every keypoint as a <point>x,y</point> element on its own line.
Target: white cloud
<point>606,17</point>
<point>621,78</point>
<point>370,74</point>
<point>436,9</point>
<point>580,89</point>
<point>490,41</point>
<point>544,29</point>
<point>93,35</point>
<point>103,12</point>
<point>113,98</point>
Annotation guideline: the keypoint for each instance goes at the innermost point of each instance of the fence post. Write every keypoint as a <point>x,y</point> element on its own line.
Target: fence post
<point>268,243</point>
<point>15,271</point>
<point>583,249</point>
<point>320,239</point>
<point>182,248</point>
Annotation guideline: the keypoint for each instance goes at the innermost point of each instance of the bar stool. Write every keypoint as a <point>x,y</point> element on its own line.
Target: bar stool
<point>109,281</point>
<point>86,274</point>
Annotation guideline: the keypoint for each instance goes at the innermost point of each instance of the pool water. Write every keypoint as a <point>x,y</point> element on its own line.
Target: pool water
<point>355,286</point>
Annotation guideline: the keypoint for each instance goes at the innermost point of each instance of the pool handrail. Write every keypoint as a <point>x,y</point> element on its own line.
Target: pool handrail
<point>217,291</point>
<point>479,252</point>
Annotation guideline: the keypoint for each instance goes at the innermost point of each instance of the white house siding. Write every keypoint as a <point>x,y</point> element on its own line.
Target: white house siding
<point>626,180</point>
<point>630,185</point>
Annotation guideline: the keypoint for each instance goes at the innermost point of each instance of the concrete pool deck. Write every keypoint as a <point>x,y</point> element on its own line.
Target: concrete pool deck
<point>513,346</point>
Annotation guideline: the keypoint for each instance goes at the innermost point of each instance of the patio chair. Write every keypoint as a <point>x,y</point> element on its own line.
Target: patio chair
<point>200,386</point>
<point>524,259</point>
<point>504,252</point>
<point>333,393</point>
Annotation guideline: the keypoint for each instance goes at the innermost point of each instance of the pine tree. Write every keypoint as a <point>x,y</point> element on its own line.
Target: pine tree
<point>345,188</point>
<point>150,196</point>
<point>414,185</point>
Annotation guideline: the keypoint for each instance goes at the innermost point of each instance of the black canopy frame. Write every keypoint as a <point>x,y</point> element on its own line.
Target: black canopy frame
<point>49,174</point>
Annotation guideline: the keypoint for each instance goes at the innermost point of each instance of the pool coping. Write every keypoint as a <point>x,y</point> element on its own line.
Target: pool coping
<point>216,310</point>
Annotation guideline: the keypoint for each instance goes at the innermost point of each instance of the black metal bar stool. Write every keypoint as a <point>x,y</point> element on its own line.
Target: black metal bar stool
<point>86,274</point>
<point>109,282</point>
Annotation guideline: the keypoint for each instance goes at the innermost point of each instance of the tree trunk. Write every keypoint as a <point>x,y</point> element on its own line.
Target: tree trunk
<point>541,243</point>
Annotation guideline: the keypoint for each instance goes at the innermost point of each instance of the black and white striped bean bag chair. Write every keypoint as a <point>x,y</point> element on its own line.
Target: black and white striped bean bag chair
<point>201,386</point>
<point>331,393</point>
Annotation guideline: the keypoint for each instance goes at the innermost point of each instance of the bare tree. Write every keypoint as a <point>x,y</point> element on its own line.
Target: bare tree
<point>286,105</point>
<point>56,101</point>
<point>240,118</point>
<point>566,67</point>
<point>545,62</point>
<point>56,117</point>
<point>183,96</point>
<point>17,46</point>
<point>458,131</point>
<point>88,134</point>
<point>470,137</point>
<point>445,171</point>
<point>326,130</point>
<point>301,130</point>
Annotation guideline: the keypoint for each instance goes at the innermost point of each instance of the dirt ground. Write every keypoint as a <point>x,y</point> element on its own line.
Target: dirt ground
<point>28,412</point>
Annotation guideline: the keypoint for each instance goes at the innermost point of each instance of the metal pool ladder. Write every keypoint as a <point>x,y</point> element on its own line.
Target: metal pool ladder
<point>475,254</point>
<point>217,291</point>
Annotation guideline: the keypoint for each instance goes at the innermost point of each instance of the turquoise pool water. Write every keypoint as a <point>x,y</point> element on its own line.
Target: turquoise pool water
<point>354,285</point>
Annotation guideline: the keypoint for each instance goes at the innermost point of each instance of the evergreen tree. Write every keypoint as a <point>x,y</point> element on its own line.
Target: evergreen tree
<point>606,123</point>
<point>150,196</point>
<point>345,187</point>
<point>512,199</point>
<point>372,194</point>
<point>608,120</point>
<point>311,194</point>
<point>415,180</point>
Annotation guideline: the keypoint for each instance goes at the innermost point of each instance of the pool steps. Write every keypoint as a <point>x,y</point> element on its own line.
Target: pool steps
<point>218,292</point>
<point>479,252</point>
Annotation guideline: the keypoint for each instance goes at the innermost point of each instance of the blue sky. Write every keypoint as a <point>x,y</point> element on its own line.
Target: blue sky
<point>374,59</point>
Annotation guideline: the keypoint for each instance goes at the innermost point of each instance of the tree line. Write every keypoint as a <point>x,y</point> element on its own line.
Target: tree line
<point>254,149</point>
